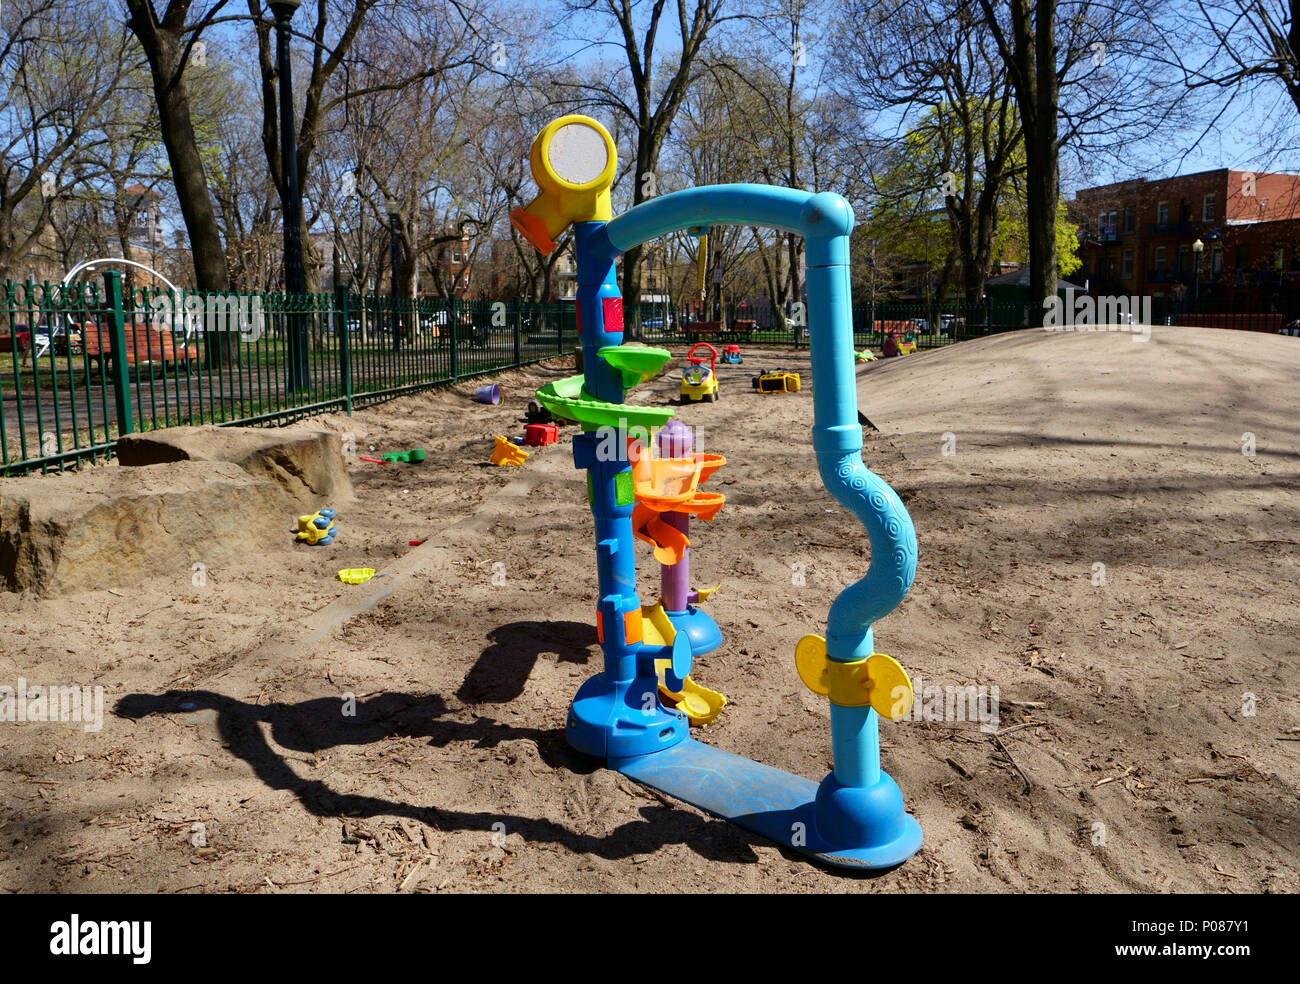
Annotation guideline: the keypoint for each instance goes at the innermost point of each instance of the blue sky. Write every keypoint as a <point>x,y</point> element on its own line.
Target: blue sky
<point>583,39</point>
<point>1249,119</point>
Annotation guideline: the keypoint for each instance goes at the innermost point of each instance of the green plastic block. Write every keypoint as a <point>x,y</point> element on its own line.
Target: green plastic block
<point>624,493</point>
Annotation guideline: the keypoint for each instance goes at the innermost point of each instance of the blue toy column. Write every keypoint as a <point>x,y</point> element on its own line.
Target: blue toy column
<point>617,712</point>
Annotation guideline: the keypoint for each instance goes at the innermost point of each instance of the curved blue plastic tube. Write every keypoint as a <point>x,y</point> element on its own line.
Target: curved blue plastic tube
<point>825,220</point>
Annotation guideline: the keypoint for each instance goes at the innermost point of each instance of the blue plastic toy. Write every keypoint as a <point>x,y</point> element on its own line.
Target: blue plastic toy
<point>855,817</point>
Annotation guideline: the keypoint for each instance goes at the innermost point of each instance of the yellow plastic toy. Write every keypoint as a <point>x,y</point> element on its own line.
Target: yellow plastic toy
<point>317,529</point>
<point>700,704</point>
<point>356,575</point>
<point>573,161</point>
<point>507,453</point>
<point>879,680</point>
<point>899,344</point>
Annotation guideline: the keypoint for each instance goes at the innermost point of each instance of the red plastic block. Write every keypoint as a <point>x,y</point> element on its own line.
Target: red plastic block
<point>612,308</point>
<point>538,435</point>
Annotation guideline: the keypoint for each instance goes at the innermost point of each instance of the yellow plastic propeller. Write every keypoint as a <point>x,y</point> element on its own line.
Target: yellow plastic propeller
<point>878,681</point>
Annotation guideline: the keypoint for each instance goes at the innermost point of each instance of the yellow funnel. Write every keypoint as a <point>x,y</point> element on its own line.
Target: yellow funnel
<point>573,161</point>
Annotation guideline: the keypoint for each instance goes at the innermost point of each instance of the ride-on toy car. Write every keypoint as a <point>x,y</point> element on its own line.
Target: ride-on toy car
<point>731,355</point>
<point>700,382</point>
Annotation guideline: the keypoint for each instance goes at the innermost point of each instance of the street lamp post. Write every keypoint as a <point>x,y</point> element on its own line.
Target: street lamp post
<point>394,256</point>
<point>1198,248</point>
<point>295,281</point>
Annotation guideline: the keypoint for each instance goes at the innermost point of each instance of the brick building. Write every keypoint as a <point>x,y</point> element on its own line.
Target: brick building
<point>1139,238</point>
<point>450,270</point>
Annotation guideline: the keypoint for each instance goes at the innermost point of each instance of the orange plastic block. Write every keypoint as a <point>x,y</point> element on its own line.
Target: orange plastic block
<point>633,628</point>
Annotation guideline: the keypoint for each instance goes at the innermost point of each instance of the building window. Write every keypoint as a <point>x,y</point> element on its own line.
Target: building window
<point>1207,208</point>
<point>457,256</point>
<point>1159,264</point>
<point>1243,257</point>
<point>1162,213</point>
<point>1183,254</point>
<point>1128,218</point>
<point>1295,257</point>
<point>1216,260</point>
<point>1126,266</point>
<point>1277,256</point>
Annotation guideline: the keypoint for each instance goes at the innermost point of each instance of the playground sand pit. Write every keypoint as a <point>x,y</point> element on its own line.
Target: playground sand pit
<point>267,728</point>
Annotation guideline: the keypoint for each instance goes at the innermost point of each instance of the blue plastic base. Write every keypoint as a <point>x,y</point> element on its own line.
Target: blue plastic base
<point>612,720</point>
<point>860,828</point>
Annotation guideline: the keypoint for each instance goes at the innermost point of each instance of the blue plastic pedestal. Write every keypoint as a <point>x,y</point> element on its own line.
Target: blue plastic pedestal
<point>607,719</point>
<point>869,826</point>
<point>700,629</point>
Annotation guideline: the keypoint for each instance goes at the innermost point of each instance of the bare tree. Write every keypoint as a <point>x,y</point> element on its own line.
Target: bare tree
<point>413,141</point>
<point>645,104</point>
<point>58,70</point>
<point>1255,52</point>
<point>168,40</point>
<point>1084,74</point>
<point>926,57</point>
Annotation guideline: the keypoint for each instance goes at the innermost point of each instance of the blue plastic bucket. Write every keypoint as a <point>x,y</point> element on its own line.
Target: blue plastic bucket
<point>489,394</point>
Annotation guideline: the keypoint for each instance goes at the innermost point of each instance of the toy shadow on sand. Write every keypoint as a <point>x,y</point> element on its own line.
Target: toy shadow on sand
<point>498,676</point>
<point>502,670</point>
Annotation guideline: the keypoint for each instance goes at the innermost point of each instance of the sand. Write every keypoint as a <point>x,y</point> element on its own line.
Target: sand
<point>1148,717</point>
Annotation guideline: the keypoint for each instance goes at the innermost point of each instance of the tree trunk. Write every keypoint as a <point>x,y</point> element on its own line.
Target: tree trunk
<point>162,47</point>
<point>1041,154</point>
<point>161,42</point>
<point>1042,194</point>
<point>646,159</point>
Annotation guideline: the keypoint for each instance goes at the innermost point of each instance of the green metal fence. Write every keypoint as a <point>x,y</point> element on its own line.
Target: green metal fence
<point>82,364</point>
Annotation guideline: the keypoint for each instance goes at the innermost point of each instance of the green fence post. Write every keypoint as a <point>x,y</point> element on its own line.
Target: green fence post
<point>519,333</point>
<point>117,350</point>
<point>451,323</point>
<point>345,343</point>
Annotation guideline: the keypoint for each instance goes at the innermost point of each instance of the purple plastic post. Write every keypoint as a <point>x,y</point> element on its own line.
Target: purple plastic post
<point>675,440</point>
<point>675,581</point>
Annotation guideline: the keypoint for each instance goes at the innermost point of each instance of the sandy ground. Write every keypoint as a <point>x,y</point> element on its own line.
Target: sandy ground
<point>1148,710</point>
